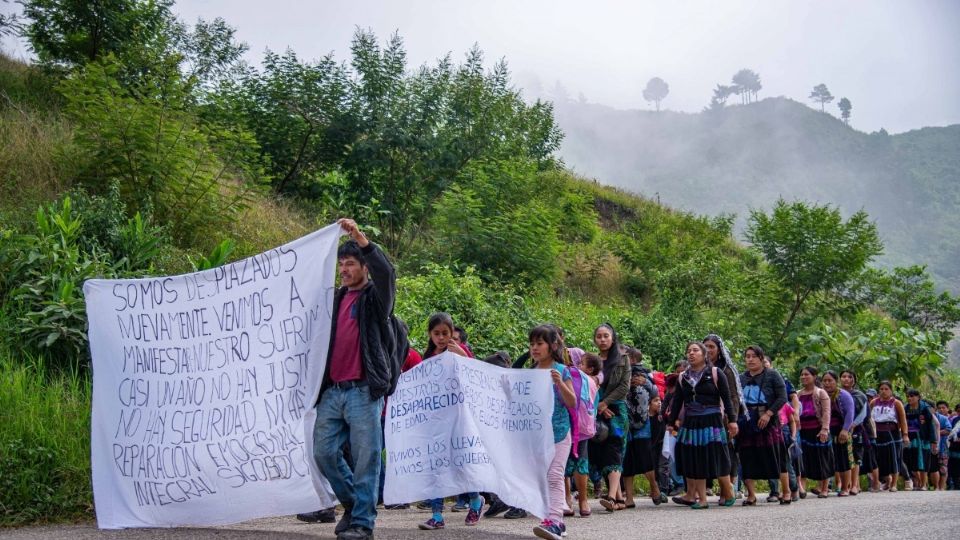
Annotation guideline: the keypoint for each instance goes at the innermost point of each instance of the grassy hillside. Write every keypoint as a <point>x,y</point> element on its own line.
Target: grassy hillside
<point>747,156</point>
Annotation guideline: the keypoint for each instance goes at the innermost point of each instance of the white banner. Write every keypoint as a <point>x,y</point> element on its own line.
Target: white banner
<point>456,425</point>
<point>204,386</point>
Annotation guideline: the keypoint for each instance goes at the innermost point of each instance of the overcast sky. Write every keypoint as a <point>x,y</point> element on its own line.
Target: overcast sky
<point>897,61</point>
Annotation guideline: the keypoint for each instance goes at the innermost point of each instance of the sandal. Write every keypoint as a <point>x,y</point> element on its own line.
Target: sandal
<point>729,502</point>
<point>608,504</point>
<point>785,501</point>
<point>683,502</point>
<point>657,501</point>
<point>585,513</point>
<point>622,504</point>
<point>747,502</point>
<point>822,496</point>
<point>842,494</point>
<point>698,506</point>
<point>569,513</point>
<point>803,494</point>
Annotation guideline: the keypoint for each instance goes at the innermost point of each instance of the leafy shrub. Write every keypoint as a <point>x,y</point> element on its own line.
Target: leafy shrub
<point>165,160</point>
<point>42,272</point>
<point>44,444</point>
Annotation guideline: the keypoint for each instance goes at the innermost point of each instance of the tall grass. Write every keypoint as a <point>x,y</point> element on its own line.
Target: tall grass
<point>44,444</point>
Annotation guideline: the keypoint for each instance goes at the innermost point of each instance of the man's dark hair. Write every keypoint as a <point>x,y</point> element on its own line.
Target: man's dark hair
<point>461,333</point>
<point>913,392</point>
<point>944,403</point>
<point>350,248</point>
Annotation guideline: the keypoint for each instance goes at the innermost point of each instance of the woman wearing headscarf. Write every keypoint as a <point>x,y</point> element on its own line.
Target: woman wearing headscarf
<point>607,455</point>
<point>842,412</point>
<point>719,356</point>
<point>703,433</point>
<point>760,442</point>
<point>817,458</point>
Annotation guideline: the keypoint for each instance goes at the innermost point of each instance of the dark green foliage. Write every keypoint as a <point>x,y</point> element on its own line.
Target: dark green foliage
<point>74,32</point>
<point>166,161</point>
<point>812,249</point>
<point>905,355</point>
<point>398,140</point>
<point>43,271</point>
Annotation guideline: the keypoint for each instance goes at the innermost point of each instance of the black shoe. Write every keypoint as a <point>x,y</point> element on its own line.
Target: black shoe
<point>424,505</point>
<point>515,513</point>
<point>327,515</point>
<point>403,506</point>
<point>344,522</point>
<point>356,533</point>
<point>496,507</point>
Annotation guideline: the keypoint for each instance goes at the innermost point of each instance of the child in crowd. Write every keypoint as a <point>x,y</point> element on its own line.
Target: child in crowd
<point>441,331</point>
<point>545,349</point>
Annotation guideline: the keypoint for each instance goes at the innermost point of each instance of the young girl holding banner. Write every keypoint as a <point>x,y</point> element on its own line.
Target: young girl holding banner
<point>546,351</point>
<point>440,330</point>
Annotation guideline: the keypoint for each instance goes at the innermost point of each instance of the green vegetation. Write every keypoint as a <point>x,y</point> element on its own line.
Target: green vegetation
<point>155,156</point>
<point>730,159</point>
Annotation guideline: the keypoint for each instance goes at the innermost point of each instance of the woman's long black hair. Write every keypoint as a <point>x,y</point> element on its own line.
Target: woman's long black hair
<point>613,355</point>
<point>434,321</point>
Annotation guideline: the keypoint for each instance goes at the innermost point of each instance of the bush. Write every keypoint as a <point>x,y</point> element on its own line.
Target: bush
<point>44,444</point>
<point>42,272</point>
<point>165,160</point>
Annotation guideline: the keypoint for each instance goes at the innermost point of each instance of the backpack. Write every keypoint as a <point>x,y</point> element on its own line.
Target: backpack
<point>584,417</point>
<point>396,343</point>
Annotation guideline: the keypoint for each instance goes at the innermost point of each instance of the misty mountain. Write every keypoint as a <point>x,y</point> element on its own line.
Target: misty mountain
<point>746,156</point>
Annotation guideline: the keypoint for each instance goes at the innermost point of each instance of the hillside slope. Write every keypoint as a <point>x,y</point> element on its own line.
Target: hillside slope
<point>746,157</point>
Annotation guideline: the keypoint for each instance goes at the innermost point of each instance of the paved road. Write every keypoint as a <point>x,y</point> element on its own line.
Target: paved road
<point>903,515</point>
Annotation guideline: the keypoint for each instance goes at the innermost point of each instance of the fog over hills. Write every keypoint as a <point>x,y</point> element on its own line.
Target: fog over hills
<point>746,156</point>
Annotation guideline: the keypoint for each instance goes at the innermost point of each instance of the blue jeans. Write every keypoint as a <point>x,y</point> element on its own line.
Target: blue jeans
<point>343,414</point>
<point>436,505</point>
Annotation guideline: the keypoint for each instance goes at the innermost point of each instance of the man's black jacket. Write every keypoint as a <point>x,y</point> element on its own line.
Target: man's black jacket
<point>377,337</point>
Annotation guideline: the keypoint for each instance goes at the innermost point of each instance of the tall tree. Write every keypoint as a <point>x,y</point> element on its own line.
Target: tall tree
<point>656,90</point>
<point>845,108</point>
<point>74,32</point>
<point>720,95</point>
<point>747,84</point>
<point>821,95</point>
<point>812,249</point>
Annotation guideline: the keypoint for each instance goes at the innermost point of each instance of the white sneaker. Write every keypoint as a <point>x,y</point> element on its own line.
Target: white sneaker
<point>908,485</point>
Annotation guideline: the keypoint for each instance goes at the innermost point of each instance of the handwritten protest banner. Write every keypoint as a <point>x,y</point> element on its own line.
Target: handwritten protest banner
<point>204,386</point>
<point>456,424</point>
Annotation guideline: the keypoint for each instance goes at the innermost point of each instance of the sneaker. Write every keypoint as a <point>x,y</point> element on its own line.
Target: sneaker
<point>739,495</point>
<point>460,507</point>
<point>356,533</point>
<point>496,507</point>
<point>548,530</point>
<point>563,530</point>
<point>424,505</point>
<point>473,516</point>
<point>396,506</point>
<point>772,498</point>
<point>431,525</point>
<point>908,485</point>
<point>327,515</point>
<point>515,513</point>
<point>344,522</point>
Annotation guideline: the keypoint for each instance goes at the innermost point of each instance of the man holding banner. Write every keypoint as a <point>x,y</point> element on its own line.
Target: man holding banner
<point>360,372</point>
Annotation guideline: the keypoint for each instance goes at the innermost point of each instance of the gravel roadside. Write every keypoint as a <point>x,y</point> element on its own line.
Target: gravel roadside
<point>927,515</point>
